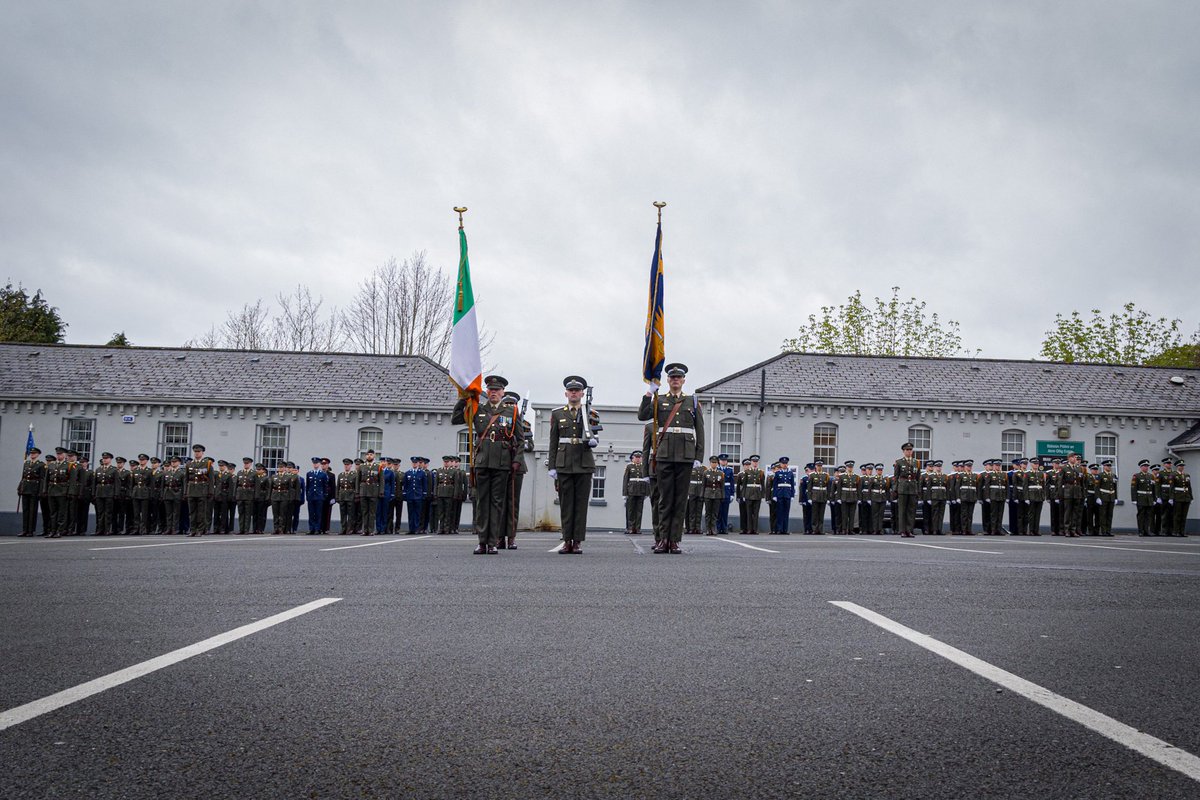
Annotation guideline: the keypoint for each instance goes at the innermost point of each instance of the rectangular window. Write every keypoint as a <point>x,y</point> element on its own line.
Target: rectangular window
<point>825,442</point>
<point>598,483</point>
<point>173,439</point>
<point>1106,447</point>
<point>78,435</point>
<point>272,445</point>
<point>922,439</point>
<point>464,448</point>
<point>1012,445</point>
<point>730,440</point>
<point>370,439</point>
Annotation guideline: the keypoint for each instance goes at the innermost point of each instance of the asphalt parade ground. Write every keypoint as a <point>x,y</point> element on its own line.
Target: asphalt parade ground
<point>749,666</point>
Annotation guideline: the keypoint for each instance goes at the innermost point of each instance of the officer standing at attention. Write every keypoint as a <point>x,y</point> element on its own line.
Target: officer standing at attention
<point>141,483</point>
<point>805,499</point>
<point>769,493</point>
<point>678,434</point>
<point>1106,497</point>
<point>316,489</point>
<point>752,485</point>
<point>635,486</point>
<point>498,439</point>
<point>723,515</point>
<point>1183,499</point>
<point>33,473</point>
<point>695,501</point>
<point>1142,491</point>
<point>198,485</point>
<point>243,494</point>
<point>784,489</point>
<point>105,489</point>
<point>1164,512</point>
<point>572,438</point>
<point>413,489</point>
<point>849,493</point>
<point>819,485</point>
<point>936,486</point>
<point>906,471</point>
<point>1033,496</point>
<point>714,493</point>
<point>1072,495</point>
<point>370,482</point>
<point>347,497</point>
<point>443,490</point>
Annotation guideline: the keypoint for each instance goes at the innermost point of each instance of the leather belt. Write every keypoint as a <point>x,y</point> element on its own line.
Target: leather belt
<point>677,429</point>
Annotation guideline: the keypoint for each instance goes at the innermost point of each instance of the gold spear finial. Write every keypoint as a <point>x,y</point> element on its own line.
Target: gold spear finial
<point>461,210</point>
<point>659,205</point>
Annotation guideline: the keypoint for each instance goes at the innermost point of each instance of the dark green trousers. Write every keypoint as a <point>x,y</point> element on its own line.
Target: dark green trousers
<point>633,513</point>
<point>906,508</point>
<point>574,492</point>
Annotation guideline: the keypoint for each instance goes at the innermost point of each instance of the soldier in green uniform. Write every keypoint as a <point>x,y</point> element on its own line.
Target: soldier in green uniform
<point>198,488</point>
<point>346,492</point>
<point>751,484</point>
<point>141,477</point>
<point>769,491</point>
<point>879,493</point>
<point>58,477</point>
<point>461,493</point>
<point>1143,493</point>
<point>498,438</point>
<point>820,485</point>
<point>281,496</point>
<point>678,437</point>
<point>1072,488</point>
<point>714,493</point>
<point>996,491</point>
<point>370,484</point>
<point>695,501</point>
<point>245,481</point>
<point>83,500</point>
<point>157,515</point>
<point>967,487</point>
<point>262,497</point>
<point>1033,495</point>
<point>443,493</point>
<point>572,437</point>
<point>906,472</point>
<point>1090,513</point>
<point>635,488</point>
<point>105,486</point>
<point>849,492</point>
<point>172,494</point>
<point>516,478</point>
<point>655,521</point>
<point>1165,486</point>
<point>33,474</point>
<point>1183,499</point>
<point>937,489</point>
<point>1106,497</point>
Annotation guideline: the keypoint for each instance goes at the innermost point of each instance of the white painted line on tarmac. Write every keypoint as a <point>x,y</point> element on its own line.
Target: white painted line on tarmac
<point>1111,547</point>
<point>916,544</point>
<point>176,544</point>
<point>373,544</point>
<point>747,546</point>
<point>1164,753</point>
<point>16,716</point>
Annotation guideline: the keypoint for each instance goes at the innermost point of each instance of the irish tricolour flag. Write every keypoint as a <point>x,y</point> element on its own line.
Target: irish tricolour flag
<point>466,371</point>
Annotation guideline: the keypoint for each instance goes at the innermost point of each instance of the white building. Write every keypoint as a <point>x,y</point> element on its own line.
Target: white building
<point>275,406</point>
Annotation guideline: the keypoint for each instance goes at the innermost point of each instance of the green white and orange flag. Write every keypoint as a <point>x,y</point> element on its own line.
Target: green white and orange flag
<point>466,370</point>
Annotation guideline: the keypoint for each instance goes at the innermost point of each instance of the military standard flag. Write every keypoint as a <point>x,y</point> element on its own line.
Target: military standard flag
<point>654,352</point>
<point>466,370</point>
<point>29,445</point>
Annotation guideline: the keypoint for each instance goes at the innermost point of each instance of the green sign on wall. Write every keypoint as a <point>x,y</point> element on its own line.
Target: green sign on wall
<point>1059,448</point>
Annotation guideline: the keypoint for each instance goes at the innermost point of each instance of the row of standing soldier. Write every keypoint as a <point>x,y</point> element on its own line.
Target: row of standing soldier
<point>1081,500</point>
<point>197,495</point>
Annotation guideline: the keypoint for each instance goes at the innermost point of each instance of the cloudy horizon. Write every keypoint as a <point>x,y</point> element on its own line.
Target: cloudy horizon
<point>166,163</point>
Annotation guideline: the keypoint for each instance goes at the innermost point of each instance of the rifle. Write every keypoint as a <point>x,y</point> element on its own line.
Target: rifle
<point>587,417</point>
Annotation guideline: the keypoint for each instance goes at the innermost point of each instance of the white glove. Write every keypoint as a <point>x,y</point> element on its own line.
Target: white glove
<point>592,442</point>
<point>1098,501</point>
<point>695,463</point>
<point>553,473</point>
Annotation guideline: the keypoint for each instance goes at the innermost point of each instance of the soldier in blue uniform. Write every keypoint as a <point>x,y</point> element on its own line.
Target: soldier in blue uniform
<point>414,489</point>
<point>783,488</point>
<point>316,492</point>
<point>387,493</point>
<point>730,488</point>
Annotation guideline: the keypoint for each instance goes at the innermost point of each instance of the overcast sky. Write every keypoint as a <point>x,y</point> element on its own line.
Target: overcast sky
<point>164,162</point>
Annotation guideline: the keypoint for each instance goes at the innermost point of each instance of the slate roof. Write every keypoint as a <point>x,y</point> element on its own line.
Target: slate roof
<point>1188,440</point>
<point>222,377</point>
<point>967,383</point>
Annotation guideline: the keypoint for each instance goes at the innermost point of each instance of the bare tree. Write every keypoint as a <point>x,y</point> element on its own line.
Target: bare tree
<point>402,309</point>
<point>248,329</point>
<point>301,326</point>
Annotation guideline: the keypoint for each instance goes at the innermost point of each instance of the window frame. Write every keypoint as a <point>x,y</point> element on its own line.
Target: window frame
<point>84,445</point>
<point>261,446</point>
<point>819,447</point>
<point>166,449</point>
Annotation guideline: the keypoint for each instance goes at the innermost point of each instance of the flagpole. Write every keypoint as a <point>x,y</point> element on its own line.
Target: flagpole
<point>658,204</point>
<point>471,404</point>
